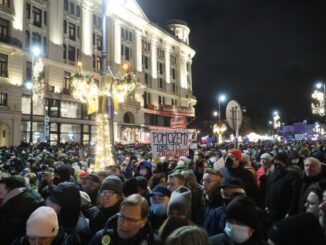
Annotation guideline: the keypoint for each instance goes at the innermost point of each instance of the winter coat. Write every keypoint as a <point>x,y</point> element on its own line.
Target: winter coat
<point>215,221</point>
<point>198,205</point>
<point>15,211</point>
<point>282,194</point>
<point>213,200</point>
<point>99,216</point>
<point>145,236</point>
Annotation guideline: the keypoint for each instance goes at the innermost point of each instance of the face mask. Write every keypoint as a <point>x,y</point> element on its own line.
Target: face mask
<point>213,159</point>
<point>228,162</point>
<point>237,233</point>
<point>159,209</point>
<point>295,161</point>
<point>143,172</point>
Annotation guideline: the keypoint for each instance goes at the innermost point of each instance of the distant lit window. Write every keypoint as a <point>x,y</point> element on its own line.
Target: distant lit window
<point>3,65</point>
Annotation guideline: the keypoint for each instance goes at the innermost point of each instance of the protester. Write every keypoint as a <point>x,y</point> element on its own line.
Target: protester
<point>18,202</point>
<point>188,235</point>
<point>91,186</point>
<point>175,180</point>
<point>132,225</point>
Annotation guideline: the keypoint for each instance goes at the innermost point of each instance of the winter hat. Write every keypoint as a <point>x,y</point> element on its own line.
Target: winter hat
<point>266,156</point>
<point>232,182</point>
<point>161,190</point>
<point>293,154</point>
<point>130,187</point>
<point>64,172</point>
<point>43,222</point>
<point>112,183</point>
<point>180,201</point>
<point>93,177</point>
<point>236,153</point>
<point>242,209</point>
<point>282,157</point>
<point>299,229</point>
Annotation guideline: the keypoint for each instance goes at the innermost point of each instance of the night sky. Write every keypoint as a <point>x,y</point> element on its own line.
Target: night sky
<point>266,54</point>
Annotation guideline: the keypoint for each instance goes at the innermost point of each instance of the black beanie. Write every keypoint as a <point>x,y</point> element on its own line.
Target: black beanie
<point>242,209</point>
<point>299,229</point>
<point>282,157</point>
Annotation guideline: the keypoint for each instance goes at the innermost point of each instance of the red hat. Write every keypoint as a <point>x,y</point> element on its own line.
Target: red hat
<point>236,153</point>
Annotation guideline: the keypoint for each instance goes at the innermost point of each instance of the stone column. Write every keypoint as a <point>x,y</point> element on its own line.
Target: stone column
<point>117,41</point>
<point>154,58</point>
<point>167,63</point>
<point>138,49</point>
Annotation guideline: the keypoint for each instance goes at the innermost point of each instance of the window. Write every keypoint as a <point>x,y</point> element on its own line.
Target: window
<point>3,99</point>
<point>36,39</point>
<point>147,81</point>
<point>77,11</point>
<point>66,78</point>
<point>28,71</point>
<point>72,31</point>
<point>64,51</point>
<point>45,45</point>
<point>66,5</point>
<point>72,8</point>
<point>173,73</point>
<point>161,83</point>
<point>173,87</point>
<point>146,62</point>
<point>3,65</point>
<point>5,3</point>
<point>99,43</point>
<point>78,32</point>
<point>28,11</point>
<point>27,37</point>
<point>99,22</point>
<point>4,29</point>
<point>98,63</point>
<point>160,65</point>
<point>37,17</point>
<point>64,26</point>
<point>147,99</point>
<point>94,19</point>
<point>173,60</point>
<point>71,53</point>
<point>188,67</point>
<point>45,18</point>
<point>160,53</point>
<point>94,62</point>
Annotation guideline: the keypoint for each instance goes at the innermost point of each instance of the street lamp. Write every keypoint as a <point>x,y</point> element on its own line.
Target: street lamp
<point>320,97</point>
<point>221,98</point>
<point>36,51</point>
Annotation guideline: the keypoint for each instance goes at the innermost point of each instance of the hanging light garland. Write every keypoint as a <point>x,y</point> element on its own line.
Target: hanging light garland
<point>123,84</point>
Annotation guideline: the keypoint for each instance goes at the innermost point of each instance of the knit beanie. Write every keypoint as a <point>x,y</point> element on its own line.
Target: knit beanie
<point>43,222</point>
<point>299,229</point>
<point>112,183</point>
<point>282,157</point>
<point>130,187</point>
<point>236,153</point>
<point>242,209</point>
<point>180,201</point>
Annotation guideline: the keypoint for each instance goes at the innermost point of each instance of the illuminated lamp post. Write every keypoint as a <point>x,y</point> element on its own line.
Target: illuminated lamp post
<point>99,98</point>
<point>219,129</point>
<point>320,108</point>
<point>221,98</point>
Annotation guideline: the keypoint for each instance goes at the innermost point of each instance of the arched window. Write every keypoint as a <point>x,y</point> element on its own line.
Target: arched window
<point>128,117</point>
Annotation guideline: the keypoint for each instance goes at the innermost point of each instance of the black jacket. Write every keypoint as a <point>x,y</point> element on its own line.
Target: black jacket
<point>15,212</point>
<point>144,236</point>
<point>223,239</point>
<point>282,194</point>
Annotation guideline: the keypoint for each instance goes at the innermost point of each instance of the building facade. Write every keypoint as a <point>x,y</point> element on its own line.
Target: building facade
<point>69,32</point>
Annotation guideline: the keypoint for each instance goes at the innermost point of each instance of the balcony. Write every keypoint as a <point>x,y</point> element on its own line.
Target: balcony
<point>7,10</point>
<point>11,41</point>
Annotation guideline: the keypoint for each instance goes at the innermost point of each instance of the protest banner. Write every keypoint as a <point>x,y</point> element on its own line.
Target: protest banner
<point>170,143</point>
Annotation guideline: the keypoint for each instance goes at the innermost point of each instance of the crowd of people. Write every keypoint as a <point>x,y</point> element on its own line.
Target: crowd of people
<point>261,193</point>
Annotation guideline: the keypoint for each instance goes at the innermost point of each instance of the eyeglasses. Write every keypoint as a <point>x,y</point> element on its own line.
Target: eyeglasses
<point>107,194</point>
<point>130,221</point>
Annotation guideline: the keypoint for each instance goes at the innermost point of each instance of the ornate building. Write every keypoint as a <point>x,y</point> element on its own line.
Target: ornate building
<point>68,32</point>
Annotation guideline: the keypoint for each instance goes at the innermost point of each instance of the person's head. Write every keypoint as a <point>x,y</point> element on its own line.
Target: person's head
<point>241,219</point>
<point>48,175</point>
<point>65,199</point>
<point>211,179</point>
<point>132,216</point>
<point>180,203</point>
<point>111,191</point>
<point>142,184</point>
<point>299,229</point>
<point>175,180</point>
<point>32,179</point>
<point>156,179</point>
<point>233,158</point>
<point>188,235</point>
<point>266,160</point>
<point>294,157</point>
<point>170,225</point>
<point>322,211</point>
<point>190,180</point>
<point>91,183</point>
<point>314,199</point>
<point>281,161</point>
<point>160,197</point>
<point>312,167</point>
<point>7,184</point>
<point>42,226</point>
<point>232,187</point>
<point>62,174</point>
